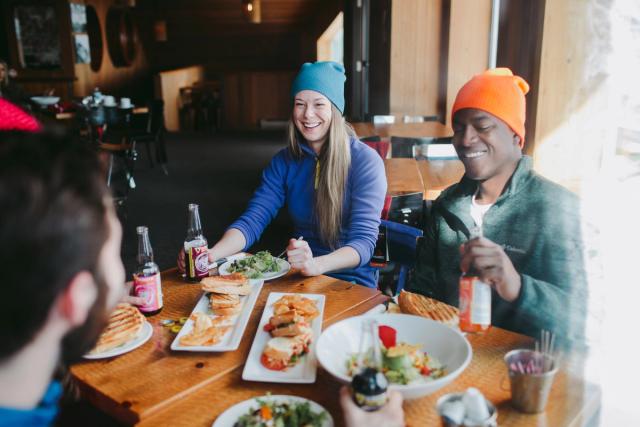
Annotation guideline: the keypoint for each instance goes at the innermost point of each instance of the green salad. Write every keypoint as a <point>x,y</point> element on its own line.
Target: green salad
<point>281,414</point>
<point>402,363</point>
<point>255,266</point>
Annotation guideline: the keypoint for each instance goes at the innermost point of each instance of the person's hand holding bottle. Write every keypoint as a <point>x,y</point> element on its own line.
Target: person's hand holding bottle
<point>390,415</point>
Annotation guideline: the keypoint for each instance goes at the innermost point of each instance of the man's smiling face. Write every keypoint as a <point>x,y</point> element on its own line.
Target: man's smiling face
<point>485,144</point>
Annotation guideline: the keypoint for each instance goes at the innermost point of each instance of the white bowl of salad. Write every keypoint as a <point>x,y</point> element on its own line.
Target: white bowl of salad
<point>419,355</point>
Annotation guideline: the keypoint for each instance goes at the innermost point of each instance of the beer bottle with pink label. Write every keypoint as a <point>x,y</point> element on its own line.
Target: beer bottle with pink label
<point>195,248</point>
<point>147,283</point>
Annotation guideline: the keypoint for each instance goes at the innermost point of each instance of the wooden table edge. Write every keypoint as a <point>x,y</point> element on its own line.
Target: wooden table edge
<point>376,299</point>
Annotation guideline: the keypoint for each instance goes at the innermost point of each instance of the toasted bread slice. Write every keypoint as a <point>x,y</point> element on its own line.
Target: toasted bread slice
<point>210,336</point>
<point>228,311</point>
<point>304,306</point>
<point>281,348</point>
<point>290,316</point>
<point>235,283</point>
<point>230,289</point>
<point>223,300</point>
<point>420,305</point>
<point>125,323</point>
<point>205,331</point>
<point>290,330</point>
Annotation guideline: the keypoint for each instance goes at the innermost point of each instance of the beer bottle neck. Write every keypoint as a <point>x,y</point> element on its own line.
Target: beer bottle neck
<point>195,227</point>
<point>145,253</point>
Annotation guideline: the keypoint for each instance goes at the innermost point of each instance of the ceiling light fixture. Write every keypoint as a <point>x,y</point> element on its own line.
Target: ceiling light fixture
<point>252,10</point>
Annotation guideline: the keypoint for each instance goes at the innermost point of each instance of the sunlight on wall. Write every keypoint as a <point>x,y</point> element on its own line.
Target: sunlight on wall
<point>611,199</point>
<point>330,45</point>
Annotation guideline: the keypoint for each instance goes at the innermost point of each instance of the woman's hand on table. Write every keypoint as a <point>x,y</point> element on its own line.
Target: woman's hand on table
<point>390,415</point>
<point>493,266</point>
<point>301,258</point>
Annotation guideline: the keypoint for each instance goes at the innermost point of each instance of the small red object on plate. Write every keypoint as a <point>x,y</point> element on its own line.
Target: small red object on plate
<point>387,335</point>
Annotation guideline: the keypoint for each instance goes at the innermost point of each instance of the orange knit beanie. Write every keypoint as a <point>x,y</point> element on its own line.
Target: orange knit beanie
<point>499,92</point>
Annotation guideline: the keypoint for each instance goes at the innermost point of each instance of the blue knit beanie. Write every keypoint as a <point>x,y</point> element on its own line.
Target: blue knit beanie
<point>325,77</point>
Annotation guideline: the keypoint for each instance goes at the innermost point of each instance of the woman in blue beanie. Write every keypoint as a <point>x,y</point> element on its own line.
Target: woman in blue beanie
<point>332,184</point>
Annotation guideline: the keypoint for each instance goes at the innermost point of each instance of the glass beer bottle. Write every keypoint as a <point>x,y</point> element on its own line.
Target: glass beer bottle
<point>474,298</point>
<point>195,248</point>
<point>147,282</point>
<point>369,385</point>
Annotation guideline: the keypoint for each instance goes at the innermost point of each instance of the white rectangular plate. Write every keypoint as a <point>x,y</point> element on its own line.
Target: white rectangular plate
<point>231,340</point>
<point>302,373</point>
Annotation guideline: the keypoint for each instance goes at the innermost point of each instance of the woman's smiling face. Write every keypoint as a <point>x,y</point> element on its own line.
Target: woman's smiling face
<point>312,115</point>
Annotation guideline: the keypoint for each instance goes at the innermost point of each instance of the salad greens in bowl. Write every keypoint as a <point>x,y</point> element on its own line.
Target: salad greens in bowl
<point>275,411</point>
<point>419,355</point>
<point>262,265</point>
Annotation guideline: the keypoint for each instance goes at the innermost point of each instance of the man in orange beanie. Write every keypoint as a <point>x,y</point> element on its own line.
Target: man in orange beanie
<point>530,252</point>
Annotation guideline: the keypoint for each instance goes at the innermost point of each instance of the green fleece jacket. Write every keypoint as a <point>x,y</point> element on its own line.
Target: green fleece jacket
<point>537,223</point>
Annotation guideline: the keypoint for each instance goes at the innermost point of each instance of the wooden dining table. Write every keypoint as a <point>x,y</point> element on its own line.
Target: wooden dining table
<point>430,129</point>
<point>438,175</point>
<point>154,386</point>
<point>68,115</point>
<point>403,177</point>
<point>430,177</point>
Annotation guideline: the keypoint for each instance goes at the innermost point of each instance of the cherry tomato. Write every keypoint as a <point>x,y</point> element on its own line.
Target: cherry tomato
<point>387,335</point>
<point>274,365</point>
<point>269,327</point>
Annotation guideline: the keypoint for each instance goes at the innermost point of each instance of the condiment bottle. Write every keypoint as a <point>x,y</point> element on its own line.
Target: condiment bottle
<point>195,248</point>
<point>369,386</point>
<point>147,282</point>
<point>474,298</point>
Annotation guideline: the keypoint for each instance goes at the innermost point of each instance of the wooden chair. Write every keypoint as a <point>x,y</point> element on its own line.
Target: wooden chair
<point>381,146</point>
<point>406,148</point>
<point>152,133</point>
<point>120,155</point>
<point>419,119</point>
<point>383,120</point>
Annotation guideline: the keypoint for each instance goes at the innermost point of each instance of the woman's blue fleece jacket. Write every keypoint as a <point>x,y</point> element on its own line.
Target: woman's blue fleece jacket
<point>290,181</point>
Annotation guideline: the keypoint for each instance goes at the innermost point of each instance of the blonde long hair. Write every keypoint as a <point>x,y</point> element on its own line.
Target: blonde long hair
<point>335,160</point>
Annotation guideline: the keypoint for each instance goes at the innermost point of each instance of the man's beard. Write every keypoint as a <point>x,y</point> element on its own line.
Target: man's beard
<point>80,340</point>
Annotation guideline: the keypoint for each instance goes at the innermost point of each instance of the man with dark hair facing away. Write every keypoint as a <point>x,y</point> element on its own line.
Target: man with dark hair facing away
<point>62,275</point>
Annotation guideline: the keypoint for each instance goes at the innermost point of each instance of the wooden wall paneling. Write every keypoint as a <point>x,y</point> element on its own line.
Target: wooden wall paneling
<point>379,57</point>
<point>217,35</point>
<point>133,81</point>
<point>356,59</point>
<point>520,49</point>
<point>320,18</point>
<point>38,81</point>
<point>468,44</point>
<point>415,56</point>
<point>252,96</point>
<point>231,99</point>
<point>323,44</point>
<point>575,121</point>
<point>168,84</point>
<point>443,68</point>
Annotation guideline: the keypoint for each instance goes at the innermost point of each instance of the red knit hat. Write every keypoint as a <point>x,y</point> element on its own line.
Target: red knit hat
<point>499,92</point>
<point>14,118</point>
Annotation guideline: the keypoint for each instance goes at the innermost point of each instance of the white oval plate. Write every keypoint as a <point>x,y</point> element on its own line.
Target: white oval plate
<point>283,264</point>
<point>304,372</point>
<point>231,340</point>
<point>229,417</point>
<point>143,337</point>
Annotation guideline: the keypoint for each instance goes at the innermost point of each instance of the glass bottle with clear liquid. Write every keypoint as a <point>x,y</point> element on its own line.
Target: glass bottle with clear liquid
<point>474,298</point>
<point>369,385</point>
<point>195,248</point>
<point>147,282</point>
